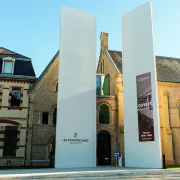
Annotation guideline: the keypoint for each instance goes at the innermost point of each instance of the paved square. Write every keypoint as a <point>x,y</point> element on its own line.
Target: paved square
<point>91,173</point>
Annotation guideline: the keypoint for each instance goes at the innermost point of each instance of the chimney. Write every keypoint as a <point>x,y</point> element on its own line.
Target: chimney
<point>104,40</point>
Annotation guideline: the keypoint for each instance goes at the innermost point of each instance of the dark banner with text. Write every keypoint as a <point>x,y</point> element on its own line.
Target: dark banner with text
<point>145,107</point>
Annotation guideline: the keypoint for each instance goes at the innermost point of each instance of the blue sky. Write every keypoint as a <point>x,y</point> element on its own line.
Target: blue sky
<point>32,27</point>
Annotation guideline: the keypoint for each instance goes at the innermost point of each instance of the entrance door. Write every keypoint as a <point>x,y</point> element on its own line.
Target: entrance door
<point>10,141</point>
<point>52,153</point>
<point>103,148</point>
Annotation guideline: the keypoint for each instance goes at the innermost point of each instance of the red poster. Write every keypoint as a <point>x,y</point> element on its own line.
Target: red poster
<point>145,107</point>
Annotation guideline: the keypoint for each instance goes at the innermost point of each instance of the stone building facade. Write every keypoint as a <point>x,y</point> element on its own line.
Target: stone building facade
<point>168,77</point>
<point>16,76</point>
<point>41,135</point>
<point>42,115</point>
<point>110,117</point>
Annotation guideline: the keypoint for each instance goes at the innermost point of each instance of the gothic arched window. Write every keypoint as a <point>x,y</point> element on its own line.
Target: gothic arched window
<point>104,117</point>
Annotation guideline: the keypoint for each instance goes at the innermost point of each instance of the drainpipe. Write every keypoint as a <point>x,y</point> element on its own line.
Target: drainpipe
<point>25,153</point>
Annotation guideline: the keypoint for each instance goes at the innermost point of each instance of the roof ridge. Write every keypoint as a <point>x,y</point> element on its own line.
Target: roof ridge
<point>168,68</point>
<point>159,56</point>
<point>168,57</point>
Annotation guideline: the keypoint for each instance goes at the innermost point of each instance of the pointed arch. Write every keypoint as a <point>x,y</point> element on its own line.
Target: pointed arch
<point>106,128</point>
<point>104,102</point>
<point>104,114</point>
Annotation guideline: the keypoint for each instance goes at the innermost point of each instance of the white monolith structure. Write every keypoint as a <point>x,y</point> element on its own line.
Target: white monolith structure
<point>141,117</point>
<point>76,107</point>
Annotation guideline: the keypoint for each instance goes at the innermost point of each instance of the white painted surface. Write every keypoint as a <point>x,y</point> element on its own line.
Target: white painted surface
<point>138,58</point>
<point>76,109</point>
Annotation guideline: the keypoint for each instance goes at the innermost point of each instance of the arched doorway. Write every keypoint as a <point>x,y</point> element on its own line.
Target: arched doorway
<point>103,148</point>
<point>52,153</point>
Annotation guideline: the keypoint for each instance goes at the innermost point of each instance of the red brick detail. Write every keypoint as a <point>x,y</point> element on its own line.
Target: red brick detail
<point>9,122</point>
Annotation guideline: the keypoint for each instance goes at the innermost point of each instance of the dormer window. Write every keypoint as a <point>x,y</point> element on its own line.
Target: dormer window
<point>8,65</point>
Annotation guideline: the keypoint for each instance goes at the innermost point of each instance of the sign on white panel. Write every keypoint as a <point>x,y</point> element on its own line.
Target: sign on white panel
<point>76,106</point>
<point>141,116</point>
<point>145,107</point>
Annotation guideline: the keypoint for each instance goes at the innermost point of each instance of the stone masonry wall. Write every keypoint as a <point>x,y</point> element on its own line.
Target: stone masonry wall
<point>173,91</point>
<point>39,152</point>
<point>43,98</point>
<point>45,94</point>
<point>11,161</point>
<point>42,133</point>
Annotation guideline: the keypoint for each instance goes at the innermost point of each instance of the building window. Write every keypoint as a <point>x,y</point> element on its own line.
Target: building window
<point>104,114</point>
<point>10,141</point>
<point>103,85</point>
<point>16,97</point>
<point>45,117</point>
<point>98,84</point>
<point>101,67</point>
<point>8,65</point>
<point>57,87</point>
<point>55,116</point>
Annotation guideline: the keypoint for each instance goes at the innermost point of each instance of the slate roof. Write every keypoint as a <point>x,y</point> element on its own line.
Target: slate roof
<point>22,67</point>
<point>168,69</point>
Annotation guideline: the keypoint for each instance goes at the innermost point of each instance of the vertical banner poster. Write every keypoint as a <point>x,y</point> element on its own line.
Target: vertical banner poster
<point>145,107</point>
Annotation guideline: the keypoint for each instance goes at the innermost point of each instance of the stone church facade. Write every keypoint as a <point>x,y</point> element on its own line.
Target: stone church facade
<point>110,118</point>
<point>168,81</point>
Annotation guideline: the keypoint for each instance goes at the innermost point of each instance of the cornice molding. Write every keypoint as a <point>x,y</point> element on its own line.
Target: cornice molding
<point>168,84</point>
<point>8,58</point>
<point>13,118</point>
<point>15,80</point>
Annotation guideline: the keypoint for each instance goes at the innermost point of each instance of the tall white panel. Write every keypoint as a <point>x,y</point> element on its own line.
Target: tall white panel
<point>76,110</point>
<point>141,117</point>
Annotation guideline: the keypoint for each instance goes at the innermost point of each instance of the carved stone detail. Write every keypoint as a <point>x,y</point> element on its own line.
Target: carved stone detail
<point>121,129</point>
<point>111,129</point>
